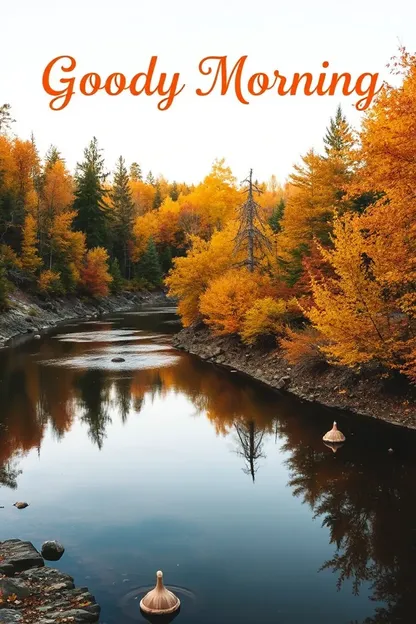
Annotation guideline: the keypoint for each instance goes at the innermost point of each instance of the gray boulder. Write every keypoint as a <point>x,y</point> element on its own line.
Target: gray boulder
<point>52,550</point>
<point>15,586</point>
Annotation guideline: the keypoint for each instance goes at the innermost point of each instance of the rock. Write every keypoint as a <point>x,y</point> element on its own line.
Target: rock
<point>283,382</point>
<point>21,505</point>
<point>52,550</point>
<point>118,359</point>
<point>18,556</point>
<point>36,337</point>
<point>10,586</point>
<point>9,616</point>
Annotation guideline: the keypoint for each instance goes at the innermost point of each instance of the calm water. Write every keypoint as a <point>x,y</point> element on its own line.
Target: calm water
<point>166,462</point>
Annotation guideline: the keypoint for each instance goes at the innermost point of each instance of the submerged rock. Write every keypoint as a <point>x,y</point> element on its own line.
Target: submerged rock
<point>52,550</point>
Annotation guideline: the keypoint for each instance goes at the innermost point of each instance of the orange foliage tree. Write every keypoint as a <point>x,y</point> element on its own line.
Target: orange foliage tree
<point>95,275</point>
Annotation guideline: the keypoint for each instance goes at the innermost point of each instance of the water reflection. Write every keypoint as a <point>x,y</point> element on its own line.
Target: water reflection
<point>362,495</point>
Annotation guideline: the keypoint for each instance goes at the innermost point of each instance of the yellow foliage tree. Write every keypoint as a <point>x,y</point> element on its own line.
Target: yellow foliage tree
<point>268,317</point>
<point>229,297</point>
<point>192,274</point>
<point>30,259</point>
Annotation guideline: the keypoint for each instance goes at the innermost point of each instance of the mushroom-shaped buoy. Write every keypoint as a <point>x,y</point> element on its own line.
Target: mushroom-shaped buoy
<point>334,436</point>
<point>334,447</point>
<point>160,601</point>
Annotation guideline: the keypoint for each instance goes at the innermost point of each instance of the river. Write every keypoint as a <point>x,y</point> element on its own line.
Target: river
<point>167,462</point>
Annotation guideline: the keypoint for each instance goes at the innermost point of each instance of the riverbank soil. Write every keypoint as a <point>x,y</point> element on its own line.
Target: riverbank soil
<point>31,314</point>
<point>369,393</point>
<point>32,593</point>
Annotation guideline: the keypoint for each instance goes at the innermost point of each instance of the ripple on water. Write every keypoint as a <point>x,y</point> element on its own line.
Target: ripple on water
<point>103,361</point>
<point>131,601</point>
<point>112,335</point>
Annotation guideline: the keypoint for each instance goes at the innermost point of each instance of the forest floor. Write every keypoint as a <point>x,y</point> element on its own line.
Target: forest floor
<point>368,392</point>
<point>29,314</point>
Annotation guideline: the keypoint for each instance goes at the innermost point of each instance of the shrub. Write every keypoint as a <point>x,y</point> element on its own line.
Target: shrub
<point>49,281</point>
<point>267,317</point>
<point>303,347</point>
<point>229,297</point>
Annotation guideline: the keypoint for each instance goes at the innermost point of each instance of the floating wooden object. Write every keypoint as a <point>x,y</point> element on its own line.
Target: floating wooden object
<point>334,436</point>
<point>160,601</point>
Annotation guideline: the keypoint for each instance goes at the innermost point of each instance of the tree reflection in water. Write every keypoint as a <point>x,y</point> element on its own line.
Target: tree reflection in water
<point>364,496</point>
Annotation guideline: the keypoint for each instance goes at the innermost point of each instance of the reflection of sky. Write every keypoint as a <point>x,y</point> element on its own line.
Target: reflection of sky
<point>166,492</point>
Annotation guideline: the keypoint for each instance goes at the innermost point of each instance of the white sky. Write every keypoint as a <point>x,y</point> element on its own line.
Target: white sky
<point>120,36</point>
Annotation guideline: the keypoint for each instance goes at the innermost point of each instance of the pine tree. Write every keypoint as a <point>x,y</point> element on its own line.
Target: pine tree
<point>150,179</point>
<point>149,265</point>
<point>117,283</point>
<point>157,199</point>
<point>166,259</point>
<point>92,217</point>
<point>52,156</point>
<point>174,193</point>
<point>338,136</point>
<point>276,217</point>
<point>123,215</point>
<point>135,172</point>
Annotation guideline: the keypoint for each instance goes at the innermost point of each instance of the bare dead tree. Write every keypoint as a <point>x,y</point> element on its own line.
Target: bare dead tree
<point>5,118</point>
<point>251,235</point>
<point>251,441</point>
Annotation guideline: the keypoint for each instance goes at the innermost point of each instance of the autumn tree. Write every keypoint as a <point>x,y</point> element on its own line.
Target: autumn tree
<point>31,261</point>
<point>95,273</point>
<point>92,211</point>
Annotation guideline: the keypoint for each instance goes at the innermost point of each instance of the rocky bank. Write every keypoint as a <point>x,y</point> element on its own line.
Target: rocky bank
<point>30,314</point>
<point>31,593</point>
<point>367,393</point>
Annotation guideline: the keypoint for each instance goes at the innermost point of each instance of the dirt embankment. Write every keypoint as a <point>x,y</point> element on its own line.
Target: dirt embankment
<point>29,314</point>
<point>367,393</point>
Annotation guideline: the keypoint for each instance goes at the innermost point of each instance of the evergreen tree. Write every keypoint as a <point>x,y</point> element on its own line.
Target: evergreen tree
<point>174,193</point>
<point>276,217</point>
<point>92,217</point>
<point>338,136</point>
<point>166,259</point>
<point>123,215</point>
<point>157,199</point>
<point>150,179</point>
<point>149,265</point>
<point>117,283</point>
<point>135,172</point>
<point>52,156</point>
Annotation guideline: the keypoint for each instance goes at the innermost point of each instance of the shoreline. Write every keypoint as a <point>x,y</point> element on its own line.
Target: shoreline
<point>34,593</point>
<point>30,314</point>
<point>334,387</point>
